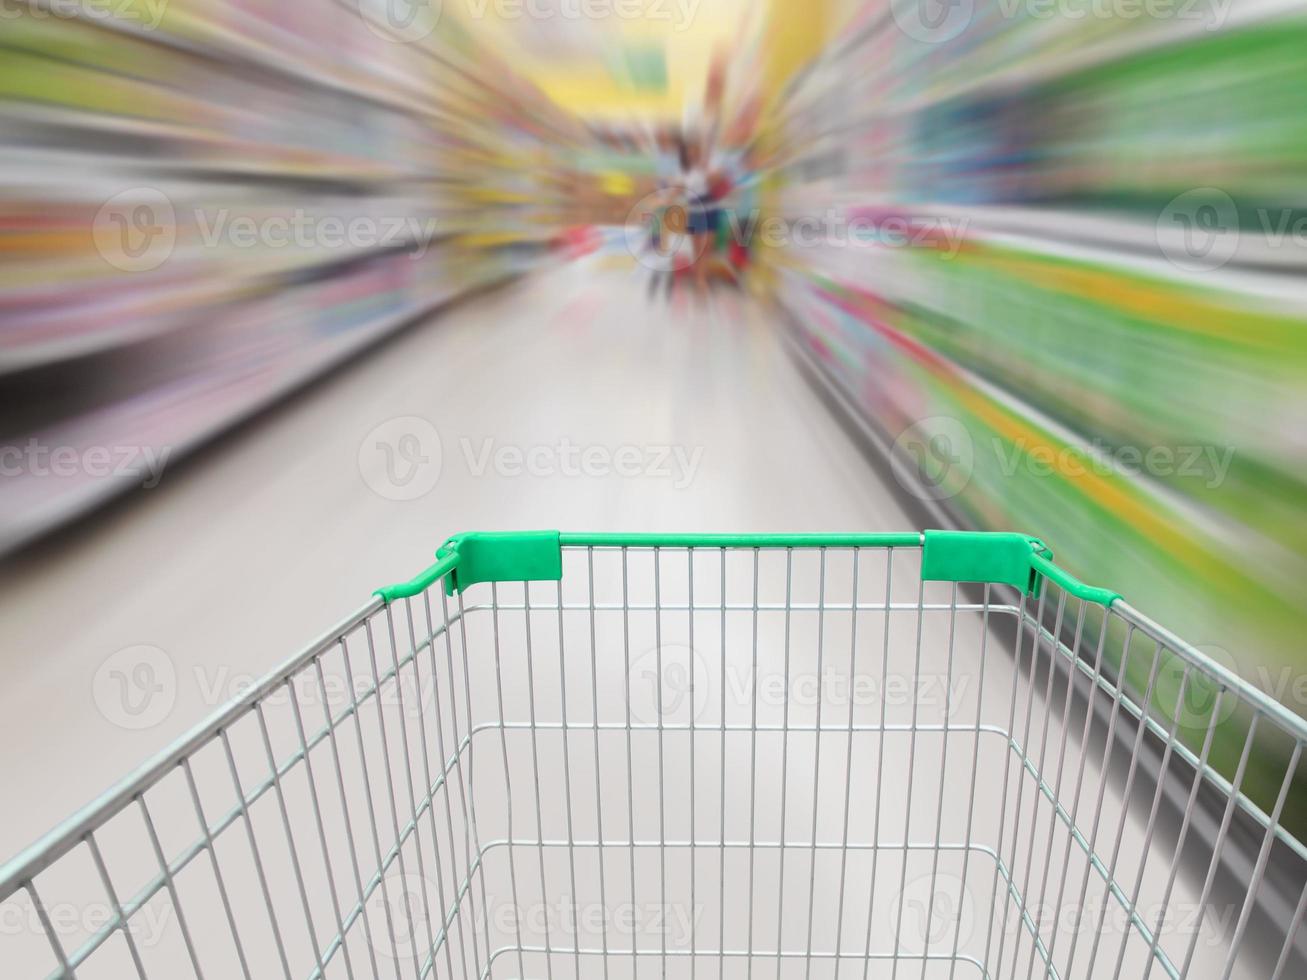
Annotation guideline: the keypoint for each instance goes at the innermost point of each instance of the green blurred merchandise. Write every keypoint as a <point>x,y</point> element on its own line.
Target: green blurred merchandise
<point>1145,415</point>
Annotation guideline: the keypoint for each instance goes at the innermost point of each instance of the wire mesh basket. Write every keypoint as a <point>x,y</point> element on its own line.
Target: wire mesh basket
<point>623,756</point>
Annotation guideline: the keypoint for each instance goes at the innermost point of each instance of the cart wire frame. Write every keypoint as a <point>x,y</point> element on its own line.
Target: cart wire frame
<point>380,833</point>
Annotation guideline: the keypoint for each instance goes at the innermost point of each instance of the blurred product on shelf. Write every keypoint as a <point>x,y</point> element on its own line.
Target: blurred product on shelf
<point>199,216</point>
<point>1040,291</point>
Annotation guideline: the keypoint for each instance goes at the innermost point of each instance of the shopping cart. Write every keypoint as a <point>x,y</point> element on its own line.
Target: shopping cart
<point>617,756</point>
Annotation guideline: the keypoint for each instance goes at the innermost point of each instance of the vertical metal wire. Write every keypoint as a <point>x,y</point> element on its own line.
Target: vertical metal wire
<point>1152,819</point>
<point>52,937</point>
<point>213,864</point>
<point>322,830</point>
<point>1125,801</point>
<point>432,787</point>
<point>408,760</point>
<point>468,795</point>
<point>1074,812</point>
<point>721,874</point>
<point>567,777</point>
<point>693,656</point>
<point>1262,857</point>
<point>662,801</point>
<point>508,783</point>
<point>445,762</point>
<point>594,700</point>
<point>975,767</point>
<point>880,763</point>
<point>785,759</point>
<point>290,840</point>
<point>344,806</point>
<point>1109,744</point>
<point>1007,774</point>
<point>258,860</point>
<point>848,765</point>
<point>1055,802</point>
<point>630,764</point>
<point>535,777</point>
<point>753,761</point>
<point>816,762</point>
<point>171,886</point>
<point>943,764</point>
<point>1038,776</point>
<point>1011,895</point>
<point>125,926</point>
<point>1219,844</point>
<point>1165,904</point>
<point>912,761</point>
<point>1294,925</point>
<point>390,783</point>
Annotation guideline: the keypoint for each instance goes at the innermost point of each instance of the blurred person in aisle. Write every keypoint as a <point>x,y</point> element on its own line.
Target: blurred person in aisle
<point>704,182</point>
<point>703,215</point>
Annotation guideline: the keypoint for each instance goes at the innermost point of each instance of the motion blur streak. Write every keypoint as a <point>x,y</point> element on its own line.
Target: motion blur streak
<point>1051,250</point>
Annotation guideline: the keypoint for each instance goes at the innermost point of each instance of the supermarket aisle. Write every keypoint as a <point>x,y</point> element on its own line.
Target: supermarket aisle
<point>564,401</point>
<point>692,421</point>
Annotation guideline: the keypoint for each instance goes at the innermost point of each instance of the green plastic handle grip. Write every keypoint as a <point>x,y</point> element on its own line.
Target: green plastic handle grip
<point>1019,560</point>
